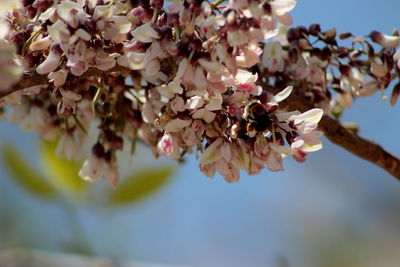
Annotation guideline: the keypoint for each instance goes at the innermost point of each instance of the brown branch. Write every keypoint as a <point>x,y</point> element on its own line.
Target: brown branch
<point>30,79</point>
<point>350,141</point>
<point>332,129</point>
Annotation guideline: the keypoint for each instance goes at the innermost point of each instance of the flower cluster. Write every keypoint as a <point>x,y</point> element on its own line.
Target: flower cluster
<point>187,77</point>
<point>319,68</point>
<point>10,70</point>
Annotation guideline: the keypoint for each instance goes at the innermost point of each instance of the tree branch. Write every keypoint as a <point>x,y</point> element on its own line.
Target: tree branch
<point>350,141</point>
<point>32,78</point>
<point>332,129</point>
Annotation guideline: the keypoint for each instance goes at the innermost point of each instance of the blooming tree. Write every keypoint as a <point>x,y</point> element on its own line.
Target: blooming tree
<point>230,81</point>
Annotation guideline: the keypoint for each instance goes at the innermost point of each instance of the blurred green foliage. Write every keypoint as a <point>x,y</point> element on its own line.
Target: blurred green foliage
<point>23,173</point>
<point>63,172</point>
<point>61,177</point>
<point>141,184</point>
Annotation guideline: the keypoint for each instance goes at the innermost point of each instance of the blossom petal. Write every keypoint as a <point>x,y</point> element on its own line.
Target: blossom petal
<point>312,115</point>
<point>212,153</point>
<point>282,95</point>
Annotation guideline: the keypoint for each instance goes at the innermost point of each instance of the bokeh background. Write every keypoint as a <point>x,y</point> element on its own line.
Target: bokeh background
<point>333,210</point>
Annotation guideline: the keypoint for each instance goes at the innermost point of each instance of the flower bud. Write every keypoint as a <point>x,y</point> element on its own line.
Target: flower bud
<point>41,5</point>
<point>345,35</point>
<point>395,95</point>
<point>51,62</point>
<point>314,29</point>
<point>157,4</point>
<point>98,150</point>
<point>384,40</point>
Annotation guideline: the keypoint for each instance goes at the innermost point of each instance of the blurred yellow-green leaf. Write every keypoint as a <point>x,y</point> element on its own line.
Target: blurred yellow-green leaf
<point>25,175</point>
<point>141,184</point>
<point>63,172</point>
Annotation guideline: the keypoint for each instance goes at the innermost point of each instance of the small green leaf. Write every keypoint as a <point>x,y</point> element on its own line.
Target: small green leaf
<point>95,99</point>
<point>30,40</point>
<point>80,125</point>
<point>140,185</point>
<point>25,175</point>
<point>63,172</point>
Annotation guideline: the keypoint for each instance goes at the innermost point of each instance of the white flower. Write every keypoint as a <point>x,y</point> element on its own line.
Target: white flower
<point>169,90</point>
<point>240,155</point>
<point>195,102</point>
<point>18,113</point>
<point>92,169</point>
<point>145,33</point>
<point>51,62</point>
<point>214,103</point>
<point>104,61</point>
<point>84,35</point>
<point>249,56</point>
<point>152,68</point>
<point>176,125</point>
<point>396,58</point>
<point>237,38</point>
<point>58,77</point>
<point>378,68</point>
<point>36,120</point>
<point>212,153</point>
<point>8,5</point>
<point>282,95</point>
<point>245,82</point>
<point>168,146</point>
<point>307,121</point>
<point>148,114</point>
<point>68,102</point>
<point>310,142</point>
<point>228,171</point>
<point>238,4</point>
<point>10,70</point>
<point>111,173</point>
<point>102,12</point>
<point>69,145</point>
<point>133,60</point>
<point>345,99</point>
<point>281,7</point>
<point>386,41</point>
<point>204,114</point>
<point>213,67</point>
<point>41,44</point>
<point>274,161</point>
<point>178,104</point>
<point>59,32</point>
<point>190,137</point>
<point>369,88</point>
<point>272,58</point>
<point>354,80</point>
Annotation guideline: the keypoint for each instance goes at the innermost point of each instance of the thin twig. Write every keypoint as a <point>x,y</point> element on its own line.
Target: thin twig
<point>32,78</point>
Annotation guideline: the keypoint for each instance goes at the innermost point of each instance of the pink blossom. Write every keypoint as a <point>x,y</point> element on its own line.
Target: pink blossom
<point>68,102</point>
<point>249,56</point>
<point>245,82</point>
<point>168,146</point>
<point>272,58</point>
<point>51,62</point>
<point>145,33</point>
